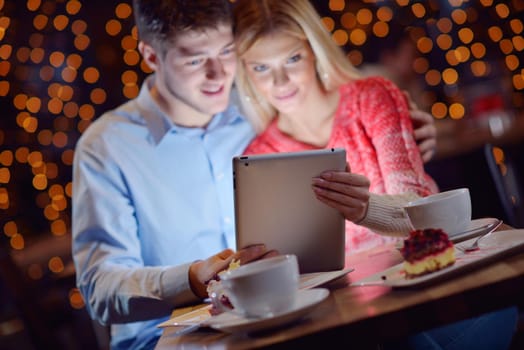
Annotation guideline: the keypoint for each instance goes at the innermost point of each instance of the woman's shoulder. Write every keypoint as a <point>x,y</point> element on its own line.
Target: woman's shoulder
<point>370,84</point>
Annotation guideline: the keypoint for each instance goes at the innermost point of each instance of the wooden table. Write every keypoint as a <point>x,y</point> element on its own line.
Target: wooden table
<point>361,317</point>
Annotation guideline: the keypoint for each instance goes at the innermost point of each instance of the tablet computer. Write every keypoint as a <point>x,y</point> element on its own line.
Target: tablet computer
<point>275,205</point>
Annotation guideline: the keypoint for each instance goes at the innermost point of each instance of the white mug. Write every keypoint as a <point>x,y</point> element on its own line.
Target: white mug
<point>449,211</point>
<point>263,288</point>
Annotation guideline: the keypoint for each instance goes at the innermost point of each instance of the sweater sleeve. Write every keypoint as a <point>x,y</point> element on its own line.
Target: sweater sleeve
<point>385,115</point>
<point>386,216</point>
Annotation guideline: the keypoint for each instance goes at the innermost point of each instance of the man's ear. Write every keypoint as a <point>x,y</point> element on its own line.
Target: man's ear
<point>149,54</point>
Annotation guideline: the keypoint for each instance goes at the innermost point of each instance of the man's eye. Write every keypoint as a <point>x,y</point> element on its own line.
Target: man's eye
<point>228,51</point>
<point>195,62</point>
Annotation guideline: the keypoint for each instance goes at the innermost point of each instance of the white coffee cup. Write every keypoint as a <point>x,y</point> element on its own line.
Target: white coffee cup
<point>263,288</point>
<point>449,211</point>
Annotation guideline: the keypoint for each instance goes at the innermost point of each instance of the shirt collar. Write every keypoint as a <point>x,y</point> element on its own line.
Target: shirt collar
<point>159,124</point>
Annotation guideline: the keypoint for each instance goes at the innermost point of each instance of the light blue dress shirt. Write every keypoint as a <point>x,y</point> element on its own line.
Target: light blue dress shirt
<point>149,198</point>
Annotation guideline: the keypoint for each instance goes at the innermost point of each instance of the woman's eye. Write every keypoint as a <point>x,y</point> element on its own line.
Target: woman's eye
<point>260,68</point>
<point>294,58</point>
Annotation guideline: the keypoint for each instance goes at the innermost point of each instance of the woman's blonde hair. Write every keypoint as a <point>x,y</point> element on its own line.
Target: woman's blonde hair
<point>257,19</point>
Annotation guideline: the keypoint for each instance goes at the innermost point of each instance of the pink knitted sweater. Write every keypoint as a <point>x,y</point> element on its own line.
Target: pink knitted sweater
<point>372,123</point>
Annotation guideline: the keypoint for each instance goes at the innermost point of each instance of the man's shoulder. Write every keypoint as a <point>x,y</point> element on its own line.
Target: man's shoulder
<point>112,121</point>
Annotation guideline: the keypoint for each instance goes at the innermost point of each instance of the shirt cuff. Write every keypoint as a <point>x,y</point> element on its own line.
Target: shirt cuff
<point>175,285</point>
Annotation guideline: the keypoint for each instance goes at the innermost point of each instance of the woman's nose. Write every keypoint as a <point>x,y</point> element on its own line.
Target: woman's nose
<point>280,77</point>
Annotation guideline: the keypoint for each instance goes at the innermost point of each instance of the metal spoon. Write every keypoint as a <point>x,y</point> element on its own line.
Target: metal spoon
<point>475,245</point>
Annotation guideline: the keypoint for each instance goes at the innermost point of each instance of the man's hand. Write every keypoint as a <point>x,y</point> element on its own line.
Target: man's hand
<point>424,130</point>
<point>200,272</point>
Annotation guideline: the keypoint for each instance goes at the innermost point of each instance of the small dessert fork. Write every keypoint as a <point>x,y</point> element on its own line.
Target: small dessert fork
<point>475,245</point>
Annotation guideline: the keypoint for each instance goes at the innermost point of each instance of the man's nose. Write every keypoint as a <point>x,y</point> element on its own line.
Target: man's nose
<point>215,69</point>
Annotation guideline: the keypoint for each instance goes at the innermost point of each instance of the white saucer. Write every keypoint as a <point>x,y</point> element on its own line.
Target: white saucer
<point>475,228</point>
<point>234,323</point>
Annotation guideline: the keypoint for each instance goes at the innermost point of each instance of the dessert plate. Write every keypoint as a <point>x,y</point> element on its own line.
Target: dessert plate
<point>496,245</point>
<point>232,322</point>
<point>475,228</point>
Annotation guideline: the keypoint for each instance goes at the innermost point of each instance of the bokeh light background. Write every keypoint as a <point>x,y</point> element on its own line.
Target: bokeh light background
<point>64,62</point>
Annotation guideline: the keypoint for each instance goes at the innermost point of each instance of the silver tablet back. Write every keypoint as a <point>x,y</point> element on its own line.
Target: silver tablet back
<point>275,205</point>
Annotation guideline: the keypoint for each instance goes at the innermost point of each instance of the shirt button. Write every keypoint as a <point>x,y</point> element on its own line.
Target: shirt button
<point>220,176</point>
<point>227,220</point>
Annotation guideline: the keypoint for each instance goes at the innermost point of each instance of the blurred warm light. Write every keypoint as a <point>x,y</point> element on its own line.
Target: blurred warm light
<point>439,110</point>
<point>478,50</point>
<point>37,55</point>
<point>17,241</point>
<point>58,227</point>
<point>60,22</point>
<point>123,11</point>
<point>384,14</point>
<point>444,41</point>
<point>329,23</point>
<point>433,77</point>
<point>131,58</point>
<point>82,42</point>
<point>380,29</point>
<point>479,68</point>
<point>56,264</point>
<point>79,27</point>
<point>452,57</point>
<point>450,76</point>
<point>445,25</point>
<point>502,10</point>
<point>512,62</point>
<point>424,45</point>
<point>337,5</point>
<point>518,42</point>
<point>418,10</point>
<point>73,7</point>
<point>75,299</point>
<point>67,157</point>
<point>340,36</point>
<point>466,35</point>
<point>33,5</point>
<point>516,26</point>
<point>10,228</point>
<point>495,33</point>
<point>364,16</point>
<point>113,27</point>
<point>5,175</point>
<point>457,111</point>
<point>6,158</point>
<point>355,57</point>
<point>91,75</point>
<point>51,213</point>
<point>357,37</point>
<point>40,182</point>
<point>459,16</point>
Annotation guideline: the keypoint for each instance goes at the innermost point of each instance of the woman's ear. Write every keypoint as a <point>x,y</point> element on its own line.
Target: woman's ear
<point>149,54</point>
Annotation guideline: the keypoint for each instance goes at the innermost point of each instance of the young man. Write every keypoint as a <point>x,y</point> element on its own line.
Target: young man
<point>153,201</point>
<point>152,179</point>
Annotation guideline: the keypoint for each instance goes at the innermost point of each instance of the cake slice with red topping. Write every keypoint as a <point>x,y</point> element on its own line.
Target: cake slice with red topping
<point>426,251</point>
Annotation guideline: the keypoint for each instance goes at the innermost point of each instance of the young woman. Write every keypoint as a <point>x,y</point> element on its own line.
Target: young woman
<point>301,92</point>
